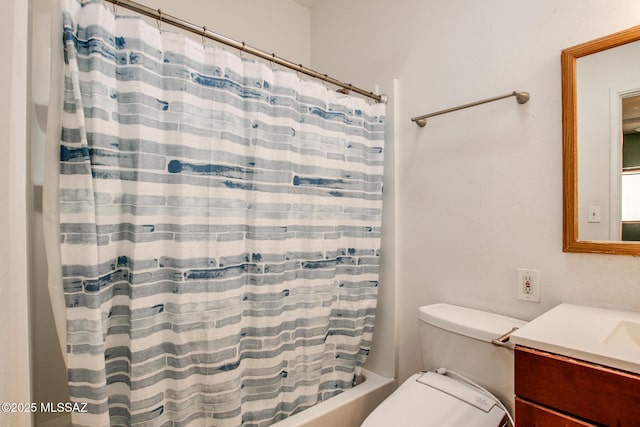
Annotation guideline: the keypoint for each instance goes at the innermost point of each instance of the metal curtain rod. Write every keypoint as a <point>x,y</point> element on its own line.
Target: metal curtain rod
<point>160,16</point>
<point>521,97</point>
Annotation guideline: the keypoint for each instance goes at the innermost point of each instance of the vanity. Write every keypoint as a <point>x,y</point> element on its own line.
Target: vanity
<point>578,366</point>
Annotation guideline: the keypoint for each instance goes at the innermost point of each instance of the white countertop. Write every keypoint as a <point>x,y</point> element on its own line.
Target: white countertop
<point>602,336</point>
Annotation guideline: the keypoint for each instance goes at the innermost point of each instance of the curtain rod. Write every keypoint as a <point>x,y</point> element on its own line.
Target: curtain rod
<point>521,97</point>
<point>160,16</point>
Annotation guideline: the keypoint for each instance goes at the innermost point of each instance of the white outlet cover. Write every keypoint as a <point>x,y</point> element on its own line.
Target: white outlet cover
<point>533,276</point>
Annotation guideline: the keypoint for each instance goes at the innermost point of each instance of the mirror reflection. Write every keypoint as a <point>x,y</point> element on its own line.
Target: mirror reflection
<point>601,144</point>
<point>630,174</point>
<point>607,84</point>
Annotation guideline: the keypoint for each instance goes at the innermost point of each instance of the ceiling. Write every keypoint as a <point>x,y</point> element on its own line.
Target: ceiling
<point>307,3</point>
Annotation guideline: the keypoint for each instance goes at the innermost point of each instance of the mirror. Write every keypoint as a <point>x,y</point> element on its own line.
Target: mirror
<point>599,95</point>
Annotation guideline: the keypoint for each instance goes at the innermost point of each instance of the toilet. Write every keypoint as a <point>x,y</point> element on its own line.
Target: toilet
<point>455,341</point>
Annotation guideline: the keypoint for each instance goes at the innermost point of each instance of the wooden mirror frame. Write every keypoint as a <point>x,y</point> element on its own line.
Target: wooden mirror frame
<point>570,242</point>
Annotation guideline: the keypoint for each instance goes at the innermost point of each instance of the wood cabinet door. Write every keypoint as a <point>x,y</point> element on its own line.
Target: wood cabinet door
<point>601,395</point>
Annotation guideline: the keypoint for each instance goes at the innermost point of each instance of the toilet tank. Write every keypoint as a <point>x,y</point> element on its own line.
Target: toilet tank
<point>459,339</point>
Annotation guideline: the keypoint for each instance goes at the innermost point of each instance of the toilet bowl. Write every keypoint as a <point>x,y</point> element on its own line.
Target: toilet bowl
<point>457,343</point>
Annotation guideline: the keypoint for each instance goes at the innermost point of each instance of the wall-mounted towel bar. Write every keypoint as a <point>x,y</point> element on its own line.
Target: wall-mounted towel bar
<point>521,97</point>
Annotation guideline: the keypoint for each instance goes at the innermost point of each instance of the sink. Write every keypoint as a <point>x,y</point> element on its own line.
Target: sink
<point>626,334</point>
<point>603,336</point>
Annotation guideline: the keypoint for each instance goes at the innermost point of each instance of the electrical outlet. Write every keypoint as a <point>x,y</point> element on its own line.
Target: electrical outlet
<point>528,284</point>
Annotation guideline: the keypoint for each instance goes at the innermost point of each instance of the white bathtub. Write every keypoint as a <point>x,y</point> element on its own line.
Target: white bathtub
<point>349,408</point>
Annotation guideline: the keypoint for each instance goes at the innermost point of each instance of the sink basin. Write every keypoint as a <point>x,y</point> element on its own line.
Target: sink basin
<point>625,335</point>
<point>603,336</point>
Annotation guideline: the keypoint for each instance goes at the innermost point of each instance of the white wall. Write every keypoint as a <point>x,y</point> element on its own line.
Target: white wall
<point>15,379</point>
<point>480,190</point>
<point>47,366</point>
<point>275,26</point>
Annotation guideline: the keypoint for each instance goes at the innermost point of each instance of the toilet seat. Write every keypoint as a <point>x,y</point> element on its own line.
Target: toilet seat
<point>429,399</point>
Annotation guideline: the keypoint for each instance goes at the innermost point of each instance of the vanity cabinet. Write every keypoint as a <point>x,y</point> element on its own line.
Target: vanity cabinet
<point>558,391</point>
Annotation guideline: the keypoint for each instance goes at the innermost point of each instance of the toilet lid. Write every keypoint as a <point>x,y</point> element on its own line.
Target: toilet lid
<point>430,399</point>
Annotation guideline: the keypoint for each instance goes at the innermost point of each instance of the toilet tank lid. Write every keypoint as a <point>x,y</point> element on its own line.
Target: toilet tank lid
<point>477,324</point>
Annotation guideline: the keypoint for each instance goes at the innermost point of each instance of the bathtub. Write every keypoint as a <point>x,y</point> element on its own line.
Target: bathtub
<point>349,408</point>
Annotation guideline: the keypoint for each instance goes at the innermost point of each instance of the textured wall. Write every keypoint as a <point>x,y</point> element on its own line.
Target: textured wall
<point>480,190</point>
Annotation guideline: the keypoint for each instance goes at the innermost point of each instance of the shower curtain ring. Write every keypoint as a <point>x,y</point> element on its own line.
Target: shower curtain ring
<point>204,33</point>
<point>115,7</point>
<point>159,21</point>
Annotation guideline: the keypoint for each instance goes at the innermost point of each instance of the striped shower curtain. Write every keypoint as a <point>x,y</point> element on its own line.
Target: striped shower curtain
<point>220,229</point>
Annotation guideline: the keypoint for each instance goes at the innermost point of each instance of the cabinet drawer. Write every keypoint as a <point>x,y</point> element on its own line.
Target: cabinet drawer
<point>531,415</point>
<point>591,392</point>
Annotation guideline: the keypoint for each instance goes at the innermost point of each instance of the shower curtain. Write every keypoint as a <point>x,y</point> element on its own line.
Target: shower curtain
<point>219,229</point>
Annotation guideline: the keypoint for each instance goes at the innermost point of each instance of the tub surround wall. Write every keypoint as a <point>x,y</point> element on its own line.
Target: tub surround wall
<point>480,189</point>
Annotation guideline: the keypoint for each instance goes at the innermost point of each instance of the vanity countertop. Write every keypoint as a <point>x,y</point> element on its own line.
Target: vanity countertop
<point>603,336</point>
